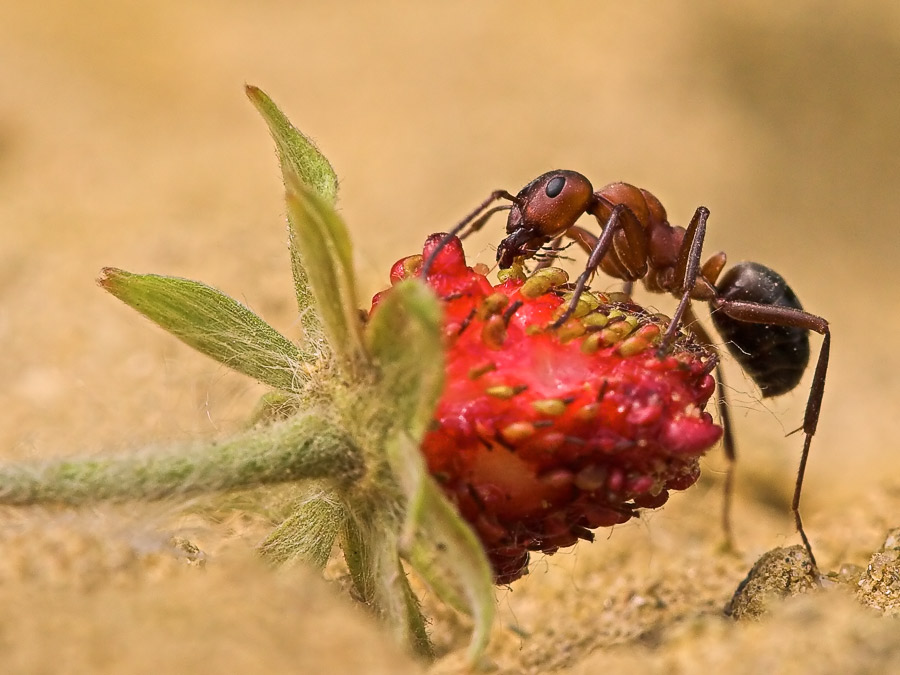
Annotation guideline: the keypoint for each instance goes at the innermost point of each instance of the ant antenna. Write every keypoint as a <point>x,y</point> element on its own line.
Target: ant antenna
<point>476,225</point>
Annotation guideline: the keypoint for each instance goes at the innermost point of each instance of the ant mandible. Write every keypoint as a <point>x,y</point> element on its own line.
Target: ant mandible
<point>752,307</point>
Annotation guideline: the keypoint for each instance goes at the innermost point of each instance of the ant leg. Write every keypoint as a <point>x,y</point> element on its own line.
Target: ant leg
<point>728,444</point>
<point>460,226</point>
<point>620,219</point>
<point>687,269</point>
<point>753,312</point>
<point>554,250</point>
<point>604,242</point>
<point>730,457</point>
<point>587,240</point>
<point>477,224</point>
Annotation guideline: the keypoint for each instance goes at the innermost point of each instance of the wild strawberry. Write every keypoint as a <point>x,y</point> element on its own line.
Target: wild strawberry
<point>543,434</point>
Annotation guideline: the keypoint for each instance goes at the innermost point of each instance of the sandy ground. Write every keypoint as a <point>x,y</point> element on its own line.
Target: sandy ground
<point>125,140</point>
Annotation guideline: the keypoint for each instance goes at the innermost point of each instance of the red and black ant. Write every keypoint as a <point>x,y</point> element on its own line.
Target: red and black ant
<point>756,312</point>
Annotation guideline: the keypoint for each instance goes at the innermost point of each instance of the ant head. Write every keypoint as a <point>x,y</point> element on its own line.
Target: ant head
<point>545,208</point>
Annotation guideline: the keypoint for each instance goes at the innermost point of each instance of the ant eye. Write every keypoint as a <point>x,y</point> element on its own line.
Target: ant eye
<point>555,186</point>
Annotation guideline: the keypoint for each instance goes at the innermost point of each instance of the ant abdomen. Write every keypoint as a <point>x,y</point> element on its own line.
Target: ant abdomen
<point>774,356</point>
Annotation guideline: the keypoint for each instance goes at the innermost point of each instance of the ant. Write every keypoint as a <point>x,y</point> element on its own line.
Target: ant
<point>752,307</point>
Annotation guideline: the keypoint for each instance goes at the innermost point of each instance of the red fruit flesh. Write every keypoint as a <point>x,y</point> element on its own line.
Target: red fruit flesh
<point>544,434</point>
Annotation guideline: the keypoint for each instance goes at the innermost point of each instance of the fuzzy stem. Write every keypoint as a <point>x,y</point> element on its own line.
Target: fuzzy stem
<point>300,448</point>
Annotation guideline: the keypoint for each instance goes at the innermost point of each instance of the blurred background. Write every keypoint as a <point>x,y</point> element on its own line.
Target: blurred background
<point>126,140</point>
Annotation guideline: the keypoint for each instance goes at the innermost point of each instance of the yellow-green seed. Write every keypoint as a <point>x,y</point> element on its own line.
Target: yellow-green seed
<point>633,345</point>
<point>516,272</point>
<point>542,281</point>
<point>535,287</point>
<point>595,320</point>
<point>477,371</point>
<point>556,275</point>
<point>549,406</point>
<point>517,432</point>
<point>650,332</point>
<point>592,343</point>
<point>493,332</point>
<point>412,265</point>
<point>504,391</point>
<point>628,318</point>
<point>582,308</point>
<point>587,303</point>
<point>588,412</point>
<point>633,320</point>
<point>533,329</point>
<point>492,304</point>
<point>571,329</point>
<point>616,332</point>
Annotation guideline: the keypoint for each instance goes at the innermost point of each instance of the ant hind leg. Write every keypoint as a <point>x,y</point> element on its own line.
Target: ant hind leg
<point>779,315</point>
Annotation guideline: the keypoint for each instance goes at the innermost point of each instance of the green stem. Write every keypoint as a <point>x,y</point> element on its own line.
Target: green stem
<point>306,447</point>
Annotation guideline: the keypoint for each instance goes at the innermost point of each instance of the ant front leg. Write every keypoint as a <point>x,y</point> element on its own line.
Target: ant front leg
<point>552,254</point>
<point>634,258</point>
<point>480,222</point>
<point>587,241</point>
<point>461,225</point>
<point>790,317</point>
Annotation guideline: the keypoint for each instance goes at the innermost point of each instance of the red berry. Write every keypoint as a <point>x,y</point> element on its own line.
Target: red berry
<point>544,434</point>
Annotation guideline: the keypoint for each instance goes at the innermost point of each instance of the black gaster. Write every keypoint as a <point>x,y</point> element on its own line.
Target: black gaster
<point>774,356</point>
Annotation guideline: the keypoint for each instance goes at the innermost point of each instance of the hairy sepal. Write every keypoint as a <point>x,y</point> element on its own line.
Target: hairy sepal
<point>299,157</point>
<point>369,543</point>
<point>441,547</point>
<point>212,323</point>
<point>404,339</point>
<point>308,534</point>
<point>294,149</point>
<point>322,236</point>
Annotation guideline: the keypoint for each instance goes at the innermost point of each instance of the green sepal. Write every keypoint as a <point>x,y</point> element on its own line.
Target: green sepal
<point>369,543</point>
<point>358,555</point>
<point>394,600</point>
<point>322,236</point>
<point>295,149</point>
<point>404,338</point>
<point>441,547</point>
<point>273,406</point>
<point>415,620</point>
<point>308,534</point>
<point>299,157</point>
<point>212,323</point>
